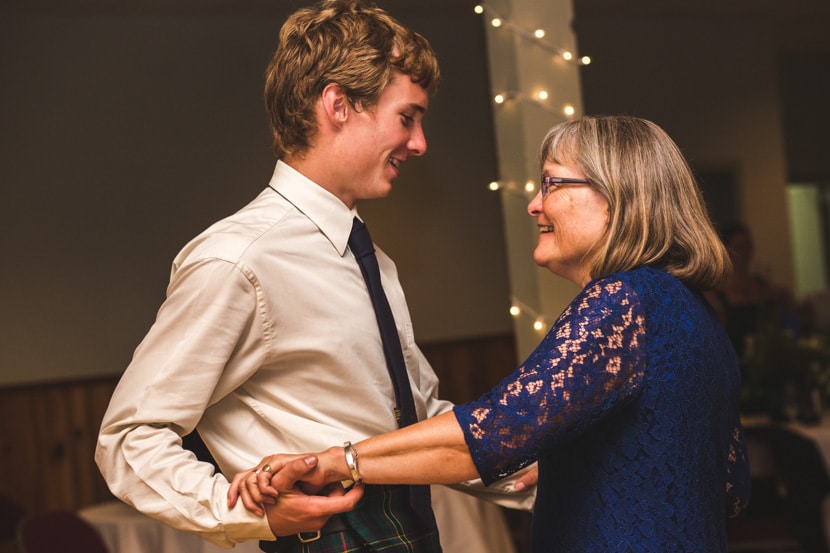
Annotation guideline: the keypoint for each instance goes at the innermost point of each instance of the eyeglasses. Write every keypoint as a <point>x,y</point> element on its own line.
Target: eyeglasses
<point>548,183</point>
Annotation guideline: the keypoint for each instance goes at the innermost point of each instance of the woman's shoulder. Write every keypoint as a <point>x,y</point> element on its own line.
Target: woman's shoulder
<point>650,287</point>
<point>635,280</point>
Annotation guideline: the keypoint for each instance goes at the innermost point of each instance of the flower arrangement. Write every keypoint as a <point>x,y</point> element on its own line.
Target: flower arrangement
<point>784,372</point>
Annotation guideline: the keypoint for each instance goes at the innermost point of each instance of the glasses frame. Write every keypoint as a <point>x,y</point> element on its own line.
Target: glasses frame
<point>549,183</point>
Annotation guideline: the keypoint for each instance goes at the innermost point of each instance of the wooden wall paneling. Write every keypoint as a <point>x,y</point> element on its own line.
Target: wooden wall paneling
<point>499,359</point>
<point>47,442</point>
<point>467,362</point>
<point>99,399</point>
<point>48,431</point>
<point>20,449</point>
<point>84,423</point>
<point>468,368</point>
<point>54,482</point>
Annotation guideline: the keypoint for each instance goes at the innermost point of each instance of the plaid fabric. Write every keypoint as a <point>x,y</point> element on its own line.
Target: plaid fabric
<point>383,522</point>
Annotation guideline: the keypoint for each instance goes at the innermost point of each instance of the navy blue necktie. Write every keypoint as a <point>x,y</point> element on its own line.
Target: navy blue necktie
<point>364,251</point>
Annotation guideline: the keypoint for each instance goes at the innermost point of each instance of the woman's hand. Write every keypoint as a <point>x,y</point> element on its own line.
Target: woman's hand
<point>528,479</point>
<point>254,487</point>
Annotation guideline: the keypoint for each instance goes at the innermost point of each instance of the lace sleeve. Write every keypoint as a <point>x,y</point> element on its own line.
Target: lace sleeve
<point>737,475</point>
<point>591,361</point>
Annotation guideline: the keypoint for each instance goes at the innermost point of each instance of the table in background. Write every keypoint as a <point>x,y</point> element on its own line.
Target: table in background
<point>126,530</point>
<point>797,457</point>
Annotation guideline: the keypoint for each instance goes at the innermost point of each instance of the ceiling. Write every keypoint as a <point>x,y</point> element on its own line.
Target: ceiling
<point>263,7</point>
<point>703,7</point>
<point>799,25</point>
<point>583,8</point>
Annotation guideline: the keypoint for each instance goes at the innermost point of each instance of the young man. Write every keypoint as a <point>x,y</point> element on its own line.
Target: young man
<point>268,340</point>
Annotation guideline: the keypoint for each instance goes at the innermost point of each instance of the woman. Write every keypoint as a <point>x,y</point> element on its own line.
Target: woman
<point>629,403</point>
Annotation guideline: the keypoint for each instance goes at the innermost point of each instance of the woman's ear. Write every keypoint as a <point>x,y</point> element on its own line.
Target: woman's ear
<point>335,104</point>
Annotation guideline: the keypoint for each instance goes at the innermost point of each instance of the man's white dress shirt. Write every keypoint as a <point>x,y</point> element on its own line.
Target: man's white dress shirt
<point>268,342</point>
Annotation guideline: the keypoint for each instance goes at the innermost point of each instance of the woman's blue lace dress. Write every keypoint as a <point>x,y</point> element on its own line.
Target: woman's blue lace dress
<point>630,406</point>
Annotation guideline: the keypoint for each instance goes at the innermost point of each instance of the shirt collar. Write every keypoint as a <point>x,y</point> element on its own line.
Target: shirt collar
<point>324,209</point>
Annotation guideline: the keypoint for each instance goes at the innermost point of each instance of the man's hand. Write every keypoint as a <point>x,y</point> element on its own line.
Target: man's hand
<point>291,505</point>
<point>296,511</point>
<point>328,471</point>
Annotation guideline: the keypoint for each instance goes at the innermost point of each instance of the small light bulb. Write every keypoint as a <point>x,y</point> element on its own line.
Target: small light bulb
<point>586,60</point>
<point>515,311</point>
<point>530,186</point>
<point>499,98</point>
<point>542,94</point>
<point>567,56</point>
<point>539,33</point>
<point>569,110</point>
<point>538,325</point>
<point>496,22</point>
<point>495,185</point>
<point>479,9</point>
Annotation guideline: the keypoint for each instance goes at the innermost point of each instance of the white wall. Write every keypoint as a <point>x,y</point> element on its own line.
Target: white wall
<point>712,83</point>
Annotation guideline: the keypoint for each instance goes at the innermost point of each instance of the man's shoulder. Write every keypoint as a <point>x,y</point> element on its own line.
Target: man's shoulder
<point>231,237</point>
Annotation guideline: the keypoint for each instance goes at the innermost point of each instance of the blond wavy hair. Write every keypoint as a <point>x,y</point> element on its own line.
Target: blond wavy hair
<point>657,215</point>
<point>351,43</point>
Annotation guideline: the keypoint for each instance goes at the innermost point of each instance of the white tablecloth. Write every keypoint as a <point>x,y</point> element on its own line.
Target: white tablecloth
<point>761,457</point>
<point>819,435</point>
<point>466,525</point>
<point>126,530</point>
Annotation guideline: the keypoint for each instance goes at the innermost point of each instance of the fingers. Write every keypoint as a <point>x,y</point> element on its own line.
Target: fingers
<point>297,512</point>
<point>527,480</point>
<point>248,500</point>
<point>293,472</point>
<point>340,501</point>
<point>350,499</point>
<point>253,486</point>
<point>234,489</point>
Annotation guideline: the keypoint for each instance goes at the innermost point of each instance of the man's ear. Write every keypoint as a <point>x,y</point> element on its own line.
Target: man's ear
<point>335,104</point>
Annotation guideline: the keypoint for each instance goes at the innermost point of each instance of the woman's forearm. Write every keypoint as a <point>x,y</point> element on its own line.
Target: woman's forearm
<point>430,452</point>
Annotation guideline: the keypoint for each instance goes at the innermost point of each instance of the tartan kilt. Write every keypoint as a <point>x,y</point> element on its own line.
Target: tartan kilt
<point>382,522</point>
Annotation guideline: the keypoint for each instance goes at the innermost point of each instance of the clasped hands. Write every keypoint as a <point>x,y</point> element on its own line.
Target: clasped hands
<point>298,493</point>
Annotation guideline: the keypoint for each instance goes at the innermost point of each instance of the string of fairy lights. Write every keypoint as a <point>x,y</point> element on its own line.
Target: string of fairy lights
<point>519,308</point>
<point>539,98</point>
<point>536,36</point>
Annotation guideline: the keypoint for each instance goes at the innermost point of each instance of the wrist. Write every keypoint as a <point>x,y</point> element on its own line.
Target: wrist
<point>351,457</point>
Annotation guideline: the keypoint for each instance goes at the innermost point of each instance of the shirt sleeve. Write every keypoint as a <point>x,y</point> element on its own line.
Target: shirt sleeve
<point>591,361</point>
<point>201,347</point>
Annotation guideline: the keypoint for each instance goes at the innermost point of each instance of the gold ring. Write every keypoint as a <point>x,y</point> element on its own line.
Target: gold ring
<point>266,468</point>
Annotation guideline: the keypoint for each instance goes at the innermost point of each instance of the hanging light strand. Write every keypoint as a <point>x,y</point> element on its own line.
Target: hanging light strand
<point>525,191</point>
<point>521,309</point>
<point>536,36</point>
<point>539,99</point>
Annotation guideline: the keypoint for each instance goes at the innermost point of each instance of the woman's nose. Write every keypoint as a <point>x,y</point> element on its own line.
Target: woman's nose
<point>534,208</point>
